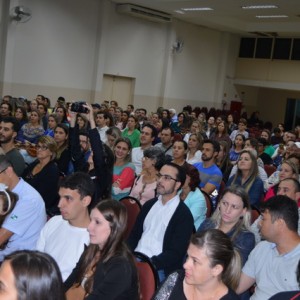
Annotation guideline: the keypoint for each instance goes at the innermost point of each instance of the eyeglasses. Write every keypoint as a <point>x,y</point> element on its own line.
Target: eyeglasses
<point>39,147</point>
<point>3,171</point>
<point>165,177</point>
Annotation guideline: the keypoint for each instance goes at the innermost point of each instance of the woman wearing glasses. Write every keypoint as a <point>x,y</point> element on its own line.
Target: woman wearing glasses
<point>43,173</point>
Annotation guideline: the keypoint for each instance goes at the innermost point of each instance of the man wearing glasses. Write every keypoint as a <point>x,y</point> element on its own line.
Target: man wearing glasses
<point>164,226</point>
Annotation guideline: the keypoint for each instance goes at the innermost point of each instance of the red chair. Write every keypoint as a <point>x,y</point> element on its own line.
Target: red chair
<point>133,207</point>
<point>208,204</point>
<point>270,169</point>
<point>148,276</point>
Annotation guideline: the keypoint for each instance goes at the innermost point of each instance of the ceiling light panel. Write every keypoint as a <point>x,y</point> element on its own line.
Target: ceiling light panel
<point>197,8</point>
<point>272,16</point>
<point>259,7</point>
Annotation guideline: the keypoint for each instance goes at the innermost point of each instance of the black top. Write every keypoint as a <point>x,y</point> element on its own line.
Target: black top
<point>115,279</point>
<point>45,182</point>
<point>176,289</point>
<point>293,295</point>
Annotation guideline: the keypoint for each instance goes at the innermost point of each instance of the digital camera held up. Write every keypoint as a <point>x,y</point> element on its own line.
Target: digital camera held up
<point>79,108</point>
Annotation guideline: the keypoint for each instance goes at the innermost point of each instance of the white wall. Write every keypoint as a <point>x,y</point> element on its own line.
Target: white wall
<point>68,45</point>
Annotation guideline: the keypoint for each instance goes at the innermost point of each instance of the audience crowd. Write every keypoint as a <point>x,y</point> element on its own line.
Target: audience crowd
<point>219,199</point>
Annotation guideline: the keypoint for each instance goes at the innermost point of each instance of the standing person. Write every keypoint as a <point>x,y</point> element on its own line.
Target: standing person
<point>211,271</point>
<point>9,128</point>
<point>280,251</point>
<point>76,192</point>
<point>247,177</point>
<point>233,217</point>
<point>106,269</point>
<point>30,275</point>
<point>123,172</point>
<point>194,154</point>
<point>164,242</point>
<point>131,132</point>
<point>148,135</point>
<point>22,226</point>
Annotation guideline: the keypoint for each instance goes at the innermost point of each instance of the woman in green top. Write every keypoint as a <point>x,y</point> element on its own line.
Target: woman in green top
<point>131,132</point>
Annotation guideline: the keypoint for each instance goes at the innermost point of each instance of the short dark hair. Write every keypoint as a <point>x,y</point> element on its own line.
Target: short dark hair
<point>181,174</point>
<point>215,144</point>
<point>153,129</point>
<point>282,207</point>
<point>16,124</point>
<point>79,181</point>
<point>144,110</point>
<point>262,141</point>
<point>169,128</point>
<point>295,183</point>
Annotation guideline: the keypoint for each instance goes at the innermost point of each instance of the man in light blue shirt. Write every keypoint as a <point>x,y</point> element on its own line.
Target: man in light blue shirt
<point>22,226</point>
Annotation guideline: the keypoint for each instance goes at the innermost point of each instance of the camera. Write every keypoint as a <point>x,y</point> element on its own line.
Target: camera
<point>79,108</point>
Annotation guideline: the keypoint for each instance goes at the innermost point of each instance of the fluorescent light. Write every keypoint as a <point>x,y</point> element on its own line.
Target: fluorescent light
<point>272,16</point>
<point>197,8</point>
<point>180,12</point>
<point>259,6</point>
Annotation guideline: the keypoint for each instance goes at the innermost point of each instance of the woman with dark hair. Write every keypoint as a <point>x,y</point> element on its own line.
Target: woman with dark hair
<point>106,269</point>
<point>238,146</point>
<point>181,125</point>
<point>21,115</point>
<point>192,195</point>
<point>179,153</point>
<point>233,217</point>
<point>52,123</point>
<point>62,115</point>
<point>247,176</point>
<point>221,133</point>
<point>212,270</point>
<point>63,156</point>
<point>166,115</point>
<point>223,161</point>
<point>131,132</point>
<point>144,187</point>
<point>118,118</point>
<point>231,125</point>
<point>269,149</point>
<point>83,122</point>
<point>124,170</point>
<point>124,119</point>
<point>43,173</point>
<point>30,275</point>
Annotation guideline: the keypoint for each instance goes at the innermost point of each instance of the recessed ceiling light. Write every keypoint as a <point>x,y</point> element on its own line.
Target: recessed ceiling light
<point>196,8</point>
<point>259,6</point>
<point>270,16</point>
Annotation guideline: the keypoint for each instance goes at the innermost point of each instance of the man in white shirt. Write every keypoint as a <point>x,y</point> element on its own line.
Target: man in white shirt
<point>164,226</point>
<point>64,237</point>
<point>102,120</point>
<point>147,136</point>
<point>272,263</point>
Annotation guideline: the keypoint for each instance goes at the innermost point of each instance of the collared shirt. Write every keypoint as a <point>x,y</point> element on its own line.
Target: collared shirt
<point>155,225</point>
<point>102,133</point>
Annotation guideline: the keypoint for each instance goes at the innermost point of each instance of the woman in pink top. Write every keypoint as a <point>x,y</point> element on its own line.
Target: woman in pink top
<point>144,187</point>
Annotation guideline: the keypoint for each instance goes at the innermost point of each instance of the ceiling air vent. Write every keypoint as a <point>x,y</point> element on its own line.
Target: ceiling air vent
<point>143,12</point>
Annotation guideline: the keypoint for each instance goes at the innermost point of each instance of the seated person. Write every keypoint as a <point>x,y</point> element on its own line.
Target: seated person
<point>21,228</point>
<point>106,269</point>
<point>280,251</point>
<point>165,224</point>
<point>71,225</point>
<point>233,217</point>
<point>212,270</point>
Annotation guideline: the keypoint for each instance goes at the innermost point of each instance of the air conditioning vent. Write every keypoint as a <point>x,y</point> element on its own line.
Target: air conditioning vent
<point>143,12</point>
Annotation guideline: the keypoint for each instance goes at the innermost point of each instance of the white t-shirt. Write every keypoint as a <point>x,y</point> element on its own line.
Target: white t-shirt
<point>64,242</point>
<point>136,158</point>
